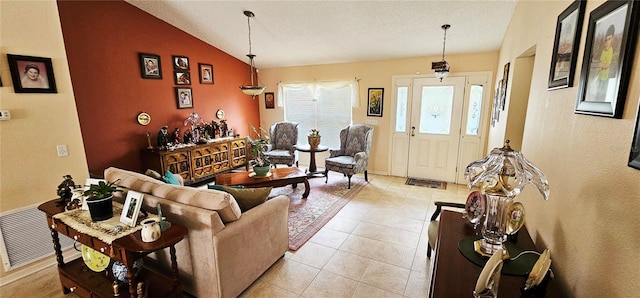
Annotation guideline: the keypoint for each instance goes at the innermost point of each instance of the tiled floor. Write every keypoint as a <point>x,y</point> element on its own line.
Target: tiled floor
<point>374,247</point>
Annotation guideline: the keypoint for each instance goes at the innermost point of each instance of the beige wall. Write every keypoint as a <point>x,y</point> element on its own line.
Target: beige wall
<point>372,74</point>
<point>30,169</point>
<point>591,221</point>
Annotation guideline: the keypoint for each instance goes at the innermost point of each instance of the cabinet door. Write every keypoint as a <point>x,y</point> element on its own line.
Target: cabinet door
<point>202,160</point>
<point>178,163</point>
<point>221,156</point>
<point>238,152</point>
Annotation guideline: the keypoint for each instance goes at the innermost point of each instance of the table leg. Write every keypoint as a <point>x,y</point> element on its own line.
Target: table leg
<point>312,161</point>
<point>306,189</point>
<point>174,269</point>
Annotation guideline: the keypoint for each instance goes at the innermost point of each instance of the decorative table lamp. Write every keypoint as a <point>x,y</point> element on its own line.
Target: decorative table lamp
<point>501,176</point>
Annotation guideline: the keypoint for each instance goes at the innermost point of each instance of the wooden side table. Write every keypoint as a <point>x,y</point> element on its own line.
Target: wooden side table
<point>312,171</point>
<point>75,277</point>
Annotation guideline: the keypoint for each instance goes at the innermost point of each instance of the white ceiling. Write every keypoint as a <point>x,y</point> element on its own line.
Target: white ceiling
<point>294,33</point>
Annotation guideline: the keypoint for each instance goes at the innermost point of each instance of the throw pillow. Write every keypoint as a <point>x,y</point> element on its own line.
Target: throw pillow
<point>170,178</point>
<point>153,174</point>
<point>248,198</point>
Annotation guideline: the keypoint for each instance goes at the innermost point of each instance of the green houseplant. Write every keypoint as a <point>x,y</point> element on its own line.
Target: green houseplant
<point>260,163</point>
<point>100,199</point>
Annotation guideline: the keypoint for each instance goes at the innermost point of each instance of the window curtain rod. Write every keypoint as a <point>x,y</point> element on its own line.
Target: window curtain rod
<point>319,81</point>
<point>315,85</point>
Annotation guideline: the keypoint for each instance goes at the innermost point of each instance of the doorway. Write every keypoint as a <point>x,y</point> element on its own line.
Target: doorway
<point>438,127</point>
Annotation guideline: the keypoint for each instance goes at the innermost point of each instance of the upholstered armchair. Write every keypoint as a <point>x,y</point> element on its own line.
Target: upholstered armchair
<point>353,155</point>
<point>284,137</point>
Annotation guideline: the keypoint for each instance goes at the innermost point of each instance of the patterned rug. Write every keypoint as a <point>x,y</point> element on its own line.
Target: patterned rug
<point>308,216</point>
<point>427,183</point>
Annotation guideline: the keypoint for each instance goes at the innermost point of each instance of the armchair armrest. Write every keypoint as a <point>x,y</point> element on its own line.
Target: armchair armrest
<point>334,152</point>
<point>359,156</point>
<point>269,147</point>
<point>439,206</point>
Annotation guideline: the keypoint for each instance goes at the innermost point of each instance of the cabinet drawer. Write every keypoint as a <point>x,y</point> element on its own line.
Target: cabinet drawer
<point>102,247</point>
<point>79,237</point>
<point>72,286</point>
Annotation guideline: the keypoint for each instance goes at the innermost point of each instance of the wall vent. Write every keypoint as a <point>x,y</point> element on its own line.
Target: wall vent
<point>25,237</point>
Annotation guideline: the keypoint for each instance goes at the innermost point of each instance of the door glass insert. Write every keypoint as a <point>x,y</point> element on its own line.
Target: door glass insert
<point>475,109</point>
<point>401,109</point>
<point>436,108</point>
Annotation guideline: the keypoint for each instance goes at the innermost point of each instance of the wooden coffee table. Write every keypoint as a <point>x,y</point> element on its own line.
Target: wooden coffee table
<point>279,177</point>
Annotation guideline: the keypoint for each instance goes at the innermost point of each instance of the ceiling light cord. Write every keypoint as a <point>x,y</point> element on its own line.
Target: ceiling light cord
<point>444,43</point>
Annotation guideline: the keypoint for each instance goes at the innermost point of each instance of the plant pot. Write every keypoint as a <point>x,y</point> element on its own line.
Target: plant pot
<point>313,141</point>
<point>262,171</point>
<point>100,209</point>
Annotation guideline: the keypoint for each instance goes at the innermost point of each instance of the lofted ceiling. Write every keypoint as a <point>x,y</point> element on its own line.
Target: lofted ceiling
<point>295,33</point>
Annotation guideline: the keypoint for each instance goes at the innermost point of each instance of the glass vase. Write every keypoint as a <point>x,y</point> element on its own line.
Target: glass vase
<point>495,223</point>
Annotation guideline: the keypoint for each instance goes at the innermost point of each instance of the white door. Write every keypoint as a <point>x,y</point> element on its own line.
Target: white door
<point>474,123</point>
<point>434,131</point>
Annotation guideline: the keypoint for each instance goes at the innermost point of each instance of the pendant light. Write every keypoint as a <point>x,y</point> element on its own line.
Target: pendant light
<point>441,68</point>
<point>253,89</point>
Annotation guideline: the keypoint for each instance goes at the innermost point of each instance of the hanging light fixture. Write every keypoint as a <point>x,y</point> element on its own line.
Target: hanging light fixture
<point>441,68</point>
<point>253,89</point>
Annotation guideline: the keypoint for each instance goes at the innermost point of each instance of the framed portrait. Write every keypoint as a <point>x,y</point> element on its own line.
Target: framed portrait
<point>269,100</point>
<point>608,59</point>
<point>375,101</point>
<point>206,73</point>
<point>505,80</point>
<point>131,209</point>
<point>180,63</point>
<point>184,98</point>
<point>634,155</point>
<point>565,46</point>
<point>502,93</point>
<point>182,78</point>
<point>150,66</point>
<point>31,74</point>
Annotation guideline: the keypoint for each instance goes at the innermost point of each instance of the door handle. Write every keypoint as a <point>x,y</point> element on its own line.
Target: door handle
<point>413,131</point>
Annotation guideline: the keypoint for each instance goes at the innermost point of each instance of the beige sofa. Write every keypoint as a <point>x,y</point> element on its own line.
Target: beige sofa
<point>225,250</point>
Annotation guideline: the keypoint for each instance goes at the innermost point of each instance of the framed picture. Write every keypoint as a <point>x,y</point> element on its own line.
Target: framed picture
<point>505,80</point>
<point>150,66</point>
<point>375,101</point>
<point>206,73</point>
<point>131,209</point>
<point>32,74</point>
<point>565,46</point>
<point>502,93</point>
<point>180,63</point>
<point>269,100</point>
<point>608,59</point>
<point>182,78</point>
<point>184,98</point>
<point>634,155</point>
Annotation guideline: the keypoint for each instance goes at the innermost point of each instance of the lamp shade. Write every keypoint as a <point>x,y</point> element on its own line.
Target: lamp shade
<point>252,90</point>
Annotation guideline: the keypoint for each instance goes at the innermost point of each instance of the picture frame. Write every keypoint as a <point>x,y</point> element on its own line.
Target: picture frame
<point>131,208</point>
<point>269,100</point>
<point>502,94</point>
<point>634,154</point>
<point>31,74</point>
<point>150,67</point>
<point>608,59</point>
<point>505,81</point>
<point>205,72</point>
<point>182,78</point>
<point>375,101</point>
<point>566,45</point>
<point>184,98</point>
<point>180,63</point>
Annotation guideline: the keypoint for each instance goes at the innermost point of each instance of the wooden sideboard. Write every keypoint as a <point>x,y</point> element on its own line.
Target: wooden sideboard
<point>198,162</point>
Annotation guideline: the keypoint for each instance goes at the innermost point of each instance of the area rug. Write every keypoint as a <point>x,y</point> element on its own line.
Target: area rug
<point>308,216</point>
<point>427,183</point>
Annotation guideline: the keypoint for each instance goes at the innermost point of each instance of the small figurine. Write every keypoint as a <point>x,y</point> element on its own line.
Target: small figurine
<point>163,139</point>
<point>223,128</point>
<point>188,137</point>
<point>149,141</point>
<point>176,136</point>
<point>65,188</point>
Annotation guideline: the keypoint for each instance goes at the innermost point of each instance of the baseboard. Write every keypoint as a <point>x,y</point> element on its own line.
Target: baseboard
<point>24,271</point>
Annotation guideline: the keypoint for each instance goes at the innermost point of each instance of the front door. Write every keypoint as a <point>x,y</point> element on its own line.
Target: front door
<point>434,132</point>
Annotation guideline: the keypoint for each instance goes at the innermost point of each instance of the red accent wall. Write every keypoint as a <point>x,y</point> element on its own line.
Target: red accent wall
<point>103,40</point>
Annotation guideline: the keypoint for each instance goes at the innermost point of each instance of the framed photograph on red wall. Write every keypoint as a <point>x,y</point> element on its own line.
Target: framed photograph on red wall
<point>206,73</point>
<point>184,98</point>
<point>150,66</point>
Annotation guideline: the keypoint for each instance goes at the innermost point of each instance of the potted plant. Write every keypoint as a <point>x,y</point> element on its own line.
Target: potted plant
<point>260,163</point>
<point>313,138</point>
<point>100,199</point>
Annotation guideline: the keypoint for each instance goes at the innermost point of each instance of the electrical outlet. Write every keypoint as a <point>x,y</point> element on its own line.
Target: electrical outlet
<point>62,150</point>
<point>5,115</point>
<point>372,122</point>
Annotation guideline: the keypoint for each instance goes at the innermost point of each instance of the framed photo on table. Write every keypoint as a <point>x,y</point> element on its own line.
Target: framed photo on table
<point>31,74</point>
<point>206,73</point>
<point>608,59</point>
<point>375,102</point>
<point>565,46</point>
<point>131,209</point>
<point>150,66</point>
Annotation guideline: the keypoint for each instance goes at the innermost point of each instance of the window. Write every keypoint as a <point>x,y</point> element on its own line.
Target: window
<point>325,106</point>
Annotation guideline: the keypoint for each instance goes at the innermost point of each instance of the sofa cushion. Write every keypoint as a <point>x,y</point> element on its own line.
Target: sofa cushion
<point>248,198</point>
<point>210,199</point>
<point>170,178</point>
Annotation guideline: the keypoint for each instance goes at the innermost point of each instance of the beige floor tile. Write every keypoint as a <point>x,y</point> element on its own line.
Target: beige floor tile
<point>329,285</point>
<point>367,291</point>
<point>329,237</point>
<point>361,246</point>
<point>397,255</point>
<point>342,224</point>
<point>398,222</point>
<point>290,275</point>
<point>44,283</point>
<point>348,265</point>
<point>260,289</point>
<point>313,254</point>
<point>417,287</point>
<point>387,277</point>
<point>386,234</point>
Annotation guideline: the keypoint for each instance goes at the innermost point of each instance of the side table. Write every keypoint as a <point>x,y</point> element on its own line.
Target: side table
<point>312,171</point>
<point>74,276</point>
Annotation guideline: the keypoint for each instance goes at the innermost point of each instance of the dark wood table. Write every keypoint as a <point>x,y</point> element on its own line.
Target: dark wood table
<point>313,170</point>
<point>75,277</point>
<point>453,275</point>
<point>279,177</point>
